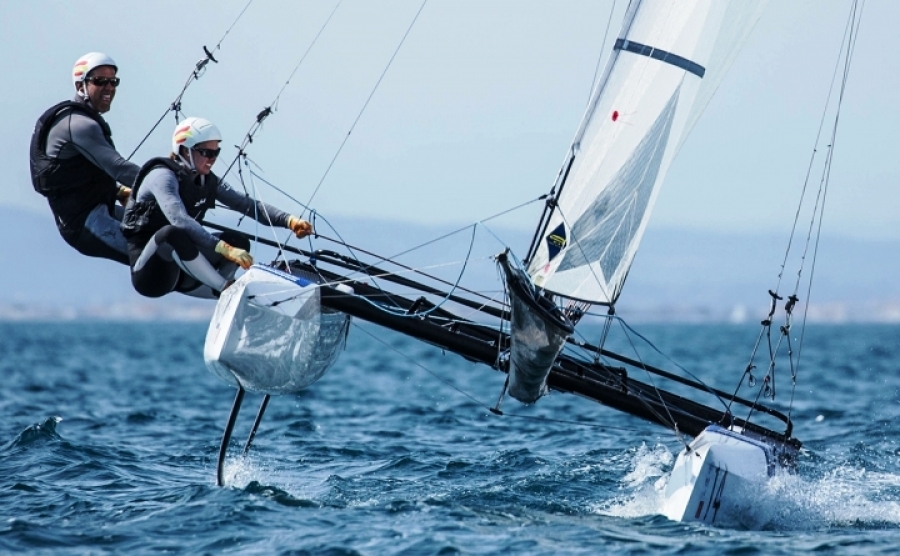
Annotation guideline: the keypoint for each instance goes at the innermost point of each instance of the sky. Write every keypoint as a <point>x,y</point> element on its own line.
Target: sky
<point>475,113</point>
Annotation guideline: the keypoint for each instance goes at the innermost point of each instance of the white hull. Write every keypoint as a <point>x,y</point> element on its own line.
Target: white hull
<point>714,478</point>
<point>270,333</point>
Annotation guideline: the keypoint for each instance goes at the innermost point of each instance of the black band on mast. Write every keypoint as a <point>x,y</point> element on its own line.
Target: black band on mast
<point>661,55</point>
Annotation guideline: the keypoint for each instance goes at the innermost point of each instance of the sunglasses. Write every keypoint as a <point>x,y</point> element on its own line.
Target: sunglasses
<point>208,153</point>
<point>104,81</point>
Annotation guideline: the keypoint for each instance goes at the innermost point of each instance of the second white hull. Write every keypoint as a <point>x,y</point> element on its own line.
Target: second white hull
<point>714,478</point>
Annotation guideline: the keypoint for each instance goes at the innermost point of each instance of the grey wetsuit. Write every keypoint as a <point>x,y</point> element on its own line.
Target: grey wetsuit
<point>181,256</point>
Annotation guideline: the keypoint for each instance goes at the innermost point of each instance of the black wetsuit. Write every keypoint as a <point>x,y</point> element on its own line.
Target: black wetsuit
<point>76,166</point>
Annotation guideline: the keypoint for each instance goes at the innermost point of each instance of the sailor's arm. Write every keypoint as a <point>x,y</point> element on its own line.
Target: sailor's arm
<point>87,137</point>
<point>262,212</point>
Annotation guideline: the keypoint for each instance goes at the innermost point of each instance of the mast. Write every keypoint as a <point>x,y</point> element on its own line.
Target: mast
<point>563,173</point>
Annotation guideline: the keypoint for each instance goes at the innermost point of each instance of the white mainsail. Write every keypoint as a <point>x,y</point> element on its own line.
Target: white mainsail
<point>667,62</point>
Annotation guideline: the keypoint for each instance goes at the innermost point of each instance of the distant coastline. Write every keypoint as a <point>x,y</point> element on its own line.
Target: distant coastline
<point>828,313</point>
<point>116,312</point>
<point>679,275</point>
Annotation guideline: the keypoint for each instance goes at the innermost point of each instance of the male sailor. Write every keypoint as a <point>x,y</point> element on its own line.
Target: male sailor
<point>76,166</point>
<point>169,249</point>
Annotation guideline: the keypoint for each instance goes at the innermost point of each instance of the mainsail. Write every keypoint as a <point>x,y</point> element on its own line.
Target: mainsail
<point>665,65</point>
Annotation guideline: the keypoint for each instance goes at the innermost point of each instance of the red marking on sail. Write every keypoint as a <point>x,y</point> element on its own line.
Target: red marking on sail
<point>615,115</point>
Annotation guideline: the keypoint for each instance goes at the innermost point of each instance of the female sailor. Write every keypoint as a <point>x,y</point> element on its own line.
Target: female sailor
<point>168,248</point>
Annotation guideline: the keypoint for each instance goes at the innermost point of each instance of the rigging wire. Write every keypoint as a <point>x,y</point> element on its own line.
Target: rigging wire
<point>475,400</point>
<point>365,266</point>
<point>365,105</point>
<point>257,124</point>
<point>256,206</point>
<point>446,298</point>
<point>668,418</point>
<point>837,65</point>
<point>767,388</point>
<point>851,48</point>
<point>602,50</point>
<point>416,247</point>
<point>273,106</point>
<point>196,73</point>
<point>266,112</point>
<point>628,328</point>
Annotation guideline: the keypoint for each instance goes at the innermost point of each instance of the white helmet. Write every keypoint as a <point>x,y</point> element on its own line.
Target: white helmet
<point>193,131</point>
<point>88,62</point>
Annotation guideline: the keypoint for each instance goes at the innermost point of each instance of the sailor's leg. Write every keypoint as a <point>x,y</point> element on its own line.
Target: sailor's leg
<point>101,237</point>
<point>153,272</point>
<point>172,246</point>
<point>223,266</point>
<point>195,285</point>
<point>192,262</point>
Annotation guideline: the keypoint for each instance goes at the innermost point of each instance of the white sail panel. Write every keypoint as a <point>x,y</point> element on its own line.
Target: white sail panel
<point>668,60</point>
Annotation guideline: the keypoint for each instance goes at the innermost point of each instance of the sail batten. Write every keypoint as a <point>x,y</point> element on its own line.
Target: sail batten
<point>661,55</point>
<point>664,66</point>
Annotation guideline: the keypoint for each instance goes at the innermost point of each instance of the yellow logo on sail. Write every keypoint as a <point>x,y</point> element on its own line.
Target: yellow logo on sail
<point>557,240</point>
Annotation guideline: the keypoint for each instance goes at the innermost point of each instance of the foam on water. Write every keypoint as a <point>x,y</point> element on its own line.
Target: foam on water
<point>642,487</point>
<point>252,472</point>
<point>844,496</point>
<point>364,462</point>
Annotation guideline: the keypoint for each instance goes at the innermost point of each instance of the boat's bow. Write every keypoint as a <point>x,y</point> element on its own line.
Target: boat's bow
<point>715,476</point>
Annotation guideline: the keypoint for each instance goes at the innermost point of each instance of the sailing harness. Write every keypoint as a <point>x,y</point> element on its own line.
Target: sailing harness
<point>73,186</point>
<point>144,218</point>
<point>54,177</point>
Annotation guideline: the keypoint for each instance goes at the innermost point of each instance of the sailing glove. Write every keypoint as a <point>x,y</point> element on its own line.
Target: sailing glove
<point>123,194</point>
<point>234,254</point>
<point>301,228</point>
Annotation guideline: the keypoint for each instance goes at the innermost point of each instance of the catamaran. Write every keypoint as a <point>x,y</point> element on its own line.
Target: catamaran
<point>280,327</point>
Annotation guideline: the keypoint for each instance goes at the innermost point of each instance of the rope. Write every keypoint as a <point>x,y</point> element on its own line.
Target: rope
<point>354,249</point>
<point>612,9</point>
<point>767,388</point>
<point>628,327</point>
<point>662,402</point>
<point>366,104</point>
<point>446,297</point>
<point>856,19</point>
<point>196,73</point>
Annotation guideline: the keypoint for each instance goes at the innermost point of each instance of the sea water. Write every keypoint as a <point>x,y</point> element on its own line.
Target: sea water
<point>110,434</point>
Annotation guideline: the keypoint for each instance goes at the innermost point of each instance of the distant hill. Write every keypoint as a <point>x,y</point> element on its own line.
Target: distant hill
<point>722,275</point>
<point>45,278</point>
<point>678,275</point>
